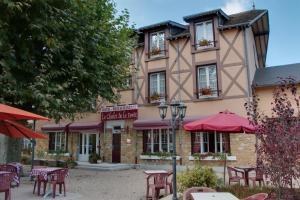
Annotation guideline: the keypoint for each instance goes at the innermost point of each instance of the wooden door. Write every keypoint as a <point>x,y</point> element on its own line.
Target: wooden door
<point>116,148</point>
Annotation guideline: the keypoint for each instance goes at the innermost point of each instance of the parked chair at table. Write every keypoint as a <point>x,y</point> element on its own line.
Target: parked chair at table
<point>259,176</point>
<point>14,170</point>
<point>187,195</point>
<point>58,178</point>
<point>259,196</point>
<point>235,175</point>
<point>170,182</point>
<point>156,182</point>
<point>5,184</point>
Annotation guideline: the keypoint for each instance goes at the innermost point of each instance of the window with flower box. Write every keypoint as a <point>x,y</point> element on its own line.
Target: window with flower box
<point>207,82</point>
<point>157,44</point>
<point>157,140</point>
<point>204,34</point>
<point>204,143</point>
<point>157,87</point>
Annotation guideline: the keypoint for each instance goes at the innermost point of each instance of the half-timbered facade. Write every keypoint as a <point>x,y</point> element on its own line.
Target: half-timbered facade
<point>208,63</point>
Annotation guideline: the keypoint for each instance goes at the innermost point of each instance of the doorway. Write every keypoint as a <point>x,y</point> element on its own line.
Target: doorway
<point>88,143</point>
<point>116,144</point>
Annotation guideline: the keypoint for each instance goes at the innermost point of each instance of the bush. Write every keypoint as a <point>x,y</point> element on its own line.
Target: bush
<point>93,158</point>
<point>26,160</point>
<point>71,163</point>
<point>197,177</point>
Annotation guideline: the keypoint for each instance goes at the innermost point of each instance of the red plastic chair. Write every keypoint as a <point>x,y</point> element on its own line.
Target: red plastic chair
<point>259,176</point>
<point>14,170</point>
<point>170,182</point>
<point>187,195</point>
<point>58,178</point>
<point>259,196</point>
<point>5,184</point>
<point>39,180</point>
<point>156,182</point>
<point>234,175</point>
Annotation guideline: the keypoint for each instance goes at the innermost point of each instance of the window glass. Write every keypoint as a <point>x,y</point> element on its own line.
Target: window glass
<point>157,43</point>
<point>57,141</point>
<point>158,140</point>
<point>204,34</point>
<point>155,140</point>
<point>207,81</point>
<point>157,86</point>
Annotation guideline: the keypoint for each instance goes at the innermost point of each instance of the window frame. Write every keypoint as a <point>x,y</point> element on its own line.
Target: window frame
<point>162,97</point>
<point>160,143</point>
<point>196,45</point>
<point>162,51</point>
<point>60,141</point>
<point>215,94</point>
<point>221,142</point>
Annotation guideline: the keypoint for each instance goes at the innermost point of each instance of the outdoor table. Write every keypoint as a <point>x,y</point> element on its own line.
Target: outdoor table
<point>149,172</point>
<point>15,178</point>
<point>213,196</point>
<point>246,169</point>
<point>44,172</point>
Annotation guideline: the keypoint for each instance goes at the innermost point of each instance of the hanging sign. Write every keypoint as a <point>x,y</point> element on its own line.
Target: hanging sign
<point>119,112</point>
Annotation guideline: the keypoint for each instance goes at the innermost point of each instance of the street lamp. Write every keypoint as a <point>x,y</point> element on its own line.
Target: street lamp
<point>178,110</point>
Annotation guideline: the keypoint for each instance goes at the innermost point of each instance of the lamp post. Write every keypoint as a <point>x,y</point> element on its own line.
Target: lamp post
<point>178,110</point>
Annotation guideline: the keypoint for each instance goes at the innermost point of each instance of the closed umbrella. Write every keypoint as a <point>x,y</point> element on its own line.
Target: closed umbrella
<point>11,113</point>
<point>222,122</point>
<point>16,130</point>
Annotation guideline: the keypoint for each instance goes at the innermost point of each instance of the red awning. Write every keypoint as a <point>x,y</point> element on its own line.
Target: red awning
<point>146,124</point>
<point>61,127</point>
<point>85,126</point>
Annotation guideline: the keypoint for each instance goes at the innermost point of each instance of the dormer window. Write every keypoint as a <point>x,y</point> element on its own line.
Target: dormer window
<point>204,35</point>
<point>157,44</point>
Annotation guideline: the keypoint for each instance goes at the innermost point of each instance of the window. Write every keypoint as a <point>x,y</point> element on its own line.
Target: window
<point>157,44</point>
<point>203,142</point>
<point>127,84</point>
<point>157,140</point>
<point>207,81</point>
<point>204,34</point>
<point>57,141</point>
<point>157,87</point>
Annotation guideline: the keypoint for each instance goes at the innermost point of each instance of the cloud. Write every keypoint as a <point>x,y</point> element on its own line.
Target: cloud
<point>235,6</point>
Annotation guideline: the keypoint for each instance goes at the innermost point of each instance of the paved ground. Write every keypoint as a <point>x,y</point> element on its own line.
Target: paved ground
<point>91,185</point>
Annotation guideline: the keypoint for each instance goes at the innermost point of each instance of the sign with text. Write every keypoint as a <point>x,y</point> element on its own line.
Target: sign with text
<point>119,112</point>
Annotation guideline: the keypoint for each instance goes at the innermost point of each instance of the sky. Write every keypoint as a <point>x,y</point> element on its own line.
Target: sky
<point>284,19</point>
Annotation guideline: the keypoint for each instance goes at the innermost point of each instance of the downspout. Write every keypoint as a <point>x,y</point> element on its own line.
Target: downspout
<point>246,62</point>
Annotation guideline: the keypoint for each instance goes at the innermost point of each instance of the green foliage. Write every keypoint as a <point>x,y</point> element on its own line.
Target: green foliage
<point>26,160</point>
<point>197,177</point>
<point>71,163</point>
<point>40,154</point>
<point>58,56</point>
<point>159,154</point>
<point>93,158</point>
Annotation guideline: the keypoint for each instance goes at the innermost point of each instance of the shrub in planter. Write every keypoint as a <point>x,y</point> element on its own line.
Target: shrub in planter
<point>71,163</point>
<point>94,158</point>
<point>197,177</point>
<point>25,160</point>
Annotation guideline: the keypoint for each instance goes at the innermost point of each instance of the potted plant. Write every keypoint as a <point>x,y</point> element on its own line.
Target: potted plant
<point>154,97</point>
<point>206,91</point>
<point>204,42</point>
<point>93,158</point>
<point>155,51</point>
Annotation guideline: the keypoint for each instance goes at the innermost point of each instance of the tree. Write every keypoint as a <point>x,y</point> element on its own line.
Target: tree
<point>58,56</point>
<point>278,134</point>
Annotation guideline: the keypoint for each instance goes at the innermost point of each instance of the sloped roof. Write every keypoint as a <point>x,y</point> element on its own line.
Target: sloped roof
<point>160,24</point>
<point>243,18</point>
<point>270,76</point>
<point>206,13</point>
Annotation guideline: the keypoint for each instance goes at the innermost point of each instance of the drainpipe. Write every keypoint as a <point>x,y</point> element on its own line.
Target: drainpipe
<point>247,61</point>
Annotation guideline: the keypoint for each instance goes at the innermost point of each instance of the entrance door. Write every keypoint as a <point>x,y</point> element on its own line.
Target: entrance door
<point>88,143</point>
<point>116,144</point>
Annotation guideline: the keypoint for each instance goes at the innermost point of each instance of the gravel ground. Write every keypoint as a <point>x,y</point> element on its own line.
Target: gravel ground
<point>91,185</point>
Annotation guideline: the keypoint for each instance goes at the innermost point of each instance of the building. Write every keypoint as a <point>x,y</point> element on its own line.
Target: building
<point>210,63</point>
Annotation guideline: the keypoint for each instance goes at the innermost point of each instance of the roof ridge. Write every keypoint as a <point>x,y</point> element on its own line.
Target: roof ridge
<point>246,11</point>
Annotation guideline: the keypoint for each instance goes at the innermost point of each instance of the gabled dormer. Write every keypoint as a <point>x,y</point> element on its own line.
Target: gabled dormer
<point>155,38</point>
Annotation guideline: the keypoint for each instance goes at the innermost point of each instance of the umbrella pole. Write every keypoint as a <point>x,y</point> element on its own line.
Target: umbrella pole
<point>33,143</point>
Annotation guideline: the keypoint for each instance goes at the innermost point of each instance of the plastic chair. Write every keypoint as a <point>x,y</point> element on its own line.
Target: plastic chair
<point>259,196</point>
<point>14,170</point>
<point>233,175</point>
<point>5,184</point>
<point>170,182</point>
<point>156,182</point>
<point>259,176</point>
<point>187,195</point>
<point>39,180</point>
<point>58,178</point>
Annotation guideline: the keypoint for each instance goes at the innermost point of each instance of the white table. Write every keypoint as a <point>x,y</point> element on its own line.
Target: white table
<point>149,172</point>
<point>213,196</point>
